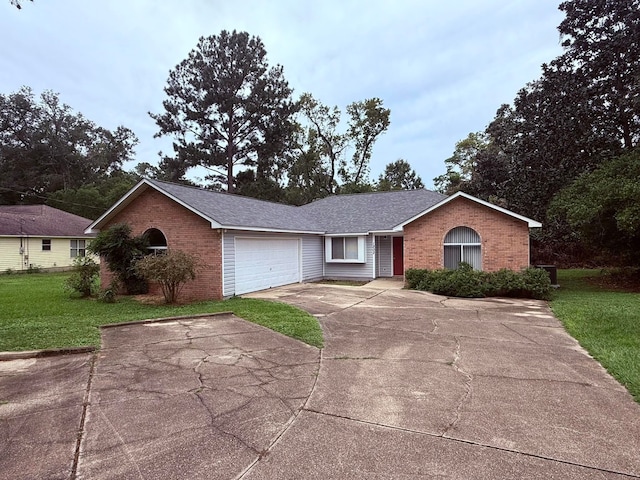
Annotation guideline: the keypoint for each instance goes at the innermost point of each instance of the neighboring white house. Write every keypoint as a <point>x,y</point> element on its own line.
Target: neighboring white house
<point>39,236</point>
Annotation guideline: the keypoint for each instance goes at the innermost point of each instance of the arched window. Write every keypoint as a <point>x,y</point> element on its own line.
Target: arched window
<point>157,241</point>
<point>462,244</point>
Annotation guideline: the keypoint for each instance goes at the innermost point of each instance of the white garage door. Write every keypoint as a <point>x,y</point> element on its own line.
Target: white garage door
<point>265,262</point>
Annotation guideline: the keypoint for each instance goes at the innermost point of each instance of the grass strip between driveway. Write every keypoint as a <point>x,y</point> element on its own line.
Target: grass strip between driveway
<point>605,322</point>
<point>37,313</point>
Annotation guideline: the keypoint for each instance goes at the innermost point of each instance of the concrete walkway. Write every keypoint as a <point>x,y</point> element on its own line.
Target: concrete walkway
<point>408,385</point>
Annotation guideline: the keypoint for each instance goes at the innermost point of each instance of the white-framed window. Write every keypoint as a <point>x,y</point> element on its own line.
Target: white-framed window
<point>157,241</point>
<point>46,244</point>
<point>462,244</point>
<point>345,249</point>
<point>78,248</point>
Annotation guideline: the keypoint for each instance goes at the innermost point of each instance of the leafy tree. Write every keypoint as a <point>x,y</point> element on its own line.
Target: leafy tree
<point>325,144</point>
<point>172,271</point>
<point>251,184</point>
<point>84,278</point>
<point>580,113</point>
<point>602,207</point>
<point>350,188</point>
<point>169,169</point>
<point>320,165</point>
<point>307,178</point>
<point>120,250</point>
<point>462,164</point>
<point>602,42</point>
<point>92,200</point>
<point>367,121</point>
<point>226,108</point>
<point>45,147</point>
<point>399,175</point>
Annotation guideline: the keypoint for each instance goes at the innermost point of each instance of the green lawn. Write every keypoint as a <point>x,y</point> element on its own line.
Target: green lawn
<point>606,323</point>
<point>37,313</point>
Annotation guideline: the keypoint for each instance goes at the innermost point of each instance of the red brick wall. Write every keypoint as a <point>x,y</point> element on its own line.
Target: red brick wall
<point>183,230</point>
<point>505,240</point>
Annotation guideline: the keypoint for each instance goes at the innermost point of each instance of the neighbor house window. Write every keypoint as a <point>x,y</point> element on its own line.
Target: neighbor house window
<point>345,249</point>
<point>462,244</point>
<point>46,244</point>
<point>78,248</point>
<point>156,240</point>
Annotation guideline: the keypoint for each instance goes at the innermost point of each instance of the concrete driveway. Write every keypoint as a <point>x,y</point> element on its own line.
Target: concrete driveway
<point>408,385</point>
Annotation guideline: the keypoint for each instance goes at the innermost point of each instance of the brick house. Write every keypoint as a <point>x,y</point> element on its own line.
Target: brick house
<point>249,244</point>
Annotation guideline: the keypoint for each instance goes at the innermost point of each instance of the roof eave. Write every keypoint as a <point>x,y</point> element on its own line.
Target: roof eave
<point>269,230</point>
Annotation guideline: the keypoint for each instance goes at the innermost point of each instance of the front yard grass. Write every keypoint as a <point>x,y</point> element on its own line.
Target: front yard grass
<point>37,313</point>
<point>605,322</point>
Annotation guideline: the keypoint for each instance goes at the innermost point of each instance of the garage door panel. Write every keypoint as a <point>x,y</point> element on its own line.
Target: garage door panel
<point>264,263</point>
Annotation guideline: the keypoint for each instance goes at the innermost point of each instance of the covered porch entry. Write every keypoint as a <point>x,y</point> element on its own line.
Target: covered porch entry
<point>389,255</point>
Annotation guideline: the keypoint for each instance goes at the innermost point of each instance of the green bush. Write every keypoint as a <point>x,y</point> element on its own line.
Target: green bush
<point>84,279</point>
<point>537,283</point>
<point>108,295</point>
<point>469,283</point>
<point>504,283</point>
<point>120,250</point>
<point>463,282</point>
<point>414,277</point>
<point>171,270</point>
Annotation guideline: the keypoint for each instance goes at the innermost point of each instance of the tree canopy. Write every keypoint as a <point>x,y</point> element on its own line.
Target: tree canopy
<point>399,175</point>
<point>579,115</point>
<point>45,147</point>
<point>603,207</point>
<point>319,164</point>
<point>226,108</point>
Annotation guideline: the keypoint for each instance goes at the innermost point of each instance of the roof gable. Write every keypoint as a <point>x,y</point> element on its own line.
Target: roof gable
<point>531,223</point>
<point>40,221</point>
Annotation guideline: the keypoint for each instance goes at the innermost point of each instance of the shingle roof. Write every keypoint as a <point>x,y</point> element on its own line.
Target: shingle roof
<point>370,212</point>
<point>357,213</point>
<point>40,221</point>
<point>238,211</point>
<point>339,214</point>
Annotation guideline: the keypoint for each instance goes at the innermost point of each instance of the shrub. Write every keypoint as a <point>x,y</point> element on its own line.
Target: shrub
<point>120,250</point>
<point>466,282</point>
<point>171,270</point>
<point>537,283</point>
<point>414,276</point>
<point>504,283</point>
<point>84,279</point>
<point>108,295</point>
<point>463,282</point>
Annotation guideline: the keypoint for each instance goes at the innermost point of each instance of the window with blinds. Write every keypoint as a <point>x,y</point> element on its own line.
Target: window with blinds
<point>462,244</point>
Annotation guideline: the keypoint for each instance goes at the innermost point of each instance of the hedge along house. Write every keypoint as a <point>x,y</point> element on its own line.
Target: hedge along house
<point>39,236</point>
<point>248,245</point>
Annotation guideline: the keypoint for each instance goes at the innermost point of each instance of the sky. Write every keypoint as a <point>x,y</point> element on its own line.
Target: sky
<point>443,68</point>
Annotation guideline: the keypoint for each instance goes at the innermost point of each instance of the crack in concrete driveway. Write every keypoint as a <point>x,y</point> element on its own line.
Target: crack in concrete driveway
<point>408,385</point>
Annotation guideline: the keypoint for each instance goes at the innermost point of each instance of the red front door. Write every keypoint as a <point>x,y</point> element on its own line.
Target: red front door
<point>398,260</point>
